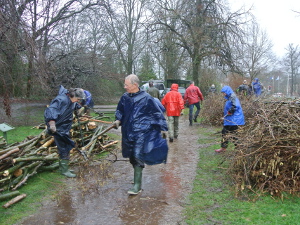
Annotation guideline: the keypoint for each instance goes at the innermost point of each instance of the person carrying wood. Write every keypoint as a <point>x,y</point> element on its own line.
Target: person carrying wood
<point>58,118</point>
<point>143,127</point>
<point>87,103</point>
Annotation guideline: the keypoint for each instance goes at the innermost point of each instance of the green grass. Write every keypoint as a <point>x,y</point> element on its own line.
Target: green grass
<point>39,188</point>
<point>19,134</point>
<point>213,200</point>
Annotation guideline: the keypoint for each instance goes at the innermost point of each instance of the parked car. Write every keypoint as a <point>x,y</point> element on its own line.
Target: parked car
<point>278,95</point>
<point>159,84</point>
<point>181,90</point>
<point>164,92</point>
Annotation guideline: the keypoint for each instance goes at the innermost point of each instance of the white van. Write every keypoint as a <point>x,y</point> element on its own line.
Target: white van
<point>159,84</point>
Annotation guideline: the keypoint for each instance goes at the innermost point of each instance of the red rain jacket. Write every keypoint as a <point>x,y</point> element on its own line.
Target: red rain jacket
<point>173,101</point>
<point>193,94</point>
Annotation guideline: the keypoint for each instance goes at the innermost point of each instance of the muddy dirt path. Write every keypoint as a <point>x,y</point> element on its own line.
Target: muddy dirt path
<point>99,195</point>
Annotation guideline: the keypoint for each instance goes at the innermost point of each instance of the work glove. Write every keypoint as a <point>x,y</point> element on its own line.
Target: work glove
<point>116,124</point>
<point>79,112</point>
<point>164,134</point>
<point>52,126</point>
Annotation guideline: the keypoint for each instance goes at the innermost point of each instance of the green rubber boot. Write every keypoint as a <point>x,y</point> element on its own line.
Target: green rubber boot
<point>60,167</point>
<point>137,181</point>
<point>64,168</point>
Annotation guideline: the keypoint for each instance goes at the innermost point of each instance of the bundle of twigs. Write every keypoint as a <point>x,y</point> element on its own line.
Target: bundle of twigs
<point>266,156</point>
<point>213,107</point>
<point>20,161</point>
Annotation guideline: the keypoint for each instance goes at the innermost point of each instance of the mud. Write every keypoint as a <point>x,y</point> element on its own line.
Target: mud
<point>99,194</point>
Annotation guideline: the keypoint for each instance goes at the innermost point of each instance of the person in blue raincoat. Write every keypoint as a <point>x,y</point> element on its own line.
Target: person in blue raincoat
<point>143,127</point>
<point>87,103</point>
<point>256,87</point>
<point>233,116</point>
<point>58,118</point>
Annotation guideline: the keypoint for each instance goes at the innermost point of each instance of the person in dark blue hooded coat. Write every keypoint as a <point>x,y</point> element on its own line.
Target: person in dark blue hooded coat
<point>233,116</point>
<point>87,103</point>
<point>257,87</point>
<point>142,124</point>
<point>58,118</point>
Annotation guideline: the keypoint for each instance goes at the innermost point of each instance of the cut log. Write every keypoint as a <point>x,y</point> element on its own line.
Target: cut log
<point>14,200</point>
<point>9,153</point>
<point>109,144</point>
<point>12,169</point>
<point>36,158</point>
<point>18,172</point>
<point>48,143</point>
<point>9,195</point>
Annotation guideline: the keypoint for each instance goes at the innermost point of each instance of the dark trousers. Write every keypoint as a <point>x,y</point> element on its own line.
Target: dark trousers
<point>64,145</point>
<point>191,109</point>
<point>228,134</point>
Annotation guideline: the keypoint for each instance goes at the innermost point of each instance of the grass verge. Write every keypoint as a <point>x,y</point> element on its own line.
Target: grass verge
<point>39,189</point>
<point>213,199</point>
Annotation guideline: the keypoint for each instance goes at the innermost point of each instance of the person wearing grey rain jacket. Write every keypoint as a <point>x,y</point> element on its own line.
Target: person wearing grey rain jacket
<point>233,116</point>
<point>59,118</point>
<point>143,128</point>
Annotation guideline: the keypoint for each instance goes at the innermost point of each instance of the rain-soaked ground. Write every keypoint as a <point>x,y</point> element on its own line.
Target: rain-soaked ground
<point>99,194</point>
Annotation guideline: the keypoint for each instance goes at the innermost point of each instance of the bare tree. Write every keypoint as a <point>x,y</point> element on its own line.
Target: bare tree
<point>127,20</point>
<point>255,55</point>
<point>32,21</point>
<point>203,28</point>
<point>292,62</point>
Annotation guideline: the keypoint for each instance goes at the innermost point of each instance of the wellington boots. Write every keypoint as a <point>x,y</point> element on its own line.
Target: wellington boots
<point>137,181</point>
<point>191,122</point>
<point>64,168</point>
<point>60,168</point>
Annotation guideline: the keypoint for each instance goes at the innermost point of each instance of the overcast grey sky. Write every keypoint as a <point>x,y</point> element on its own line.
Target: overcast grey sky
<point>277,18</point>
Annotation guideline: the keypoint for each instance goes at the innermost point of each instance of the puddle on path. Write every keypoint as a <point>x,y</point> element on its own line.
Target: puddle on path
<point>99,195</point>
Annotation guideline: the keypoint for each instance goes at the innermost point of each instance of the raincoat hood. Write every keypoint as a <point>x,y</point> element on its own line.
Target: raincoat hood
<point>228,91</point>
<point>174,87</point>
<point>256,79</point>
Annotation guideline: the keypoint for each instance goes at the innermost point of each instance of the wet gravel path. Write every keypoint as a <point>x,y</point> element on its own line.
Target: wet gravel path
<point>99,194</point>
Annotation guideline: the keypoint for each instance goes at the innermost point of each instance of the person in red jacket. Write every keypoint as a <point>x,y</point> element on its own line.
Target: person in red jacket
<point>193,96</point>
<point>173,103</point>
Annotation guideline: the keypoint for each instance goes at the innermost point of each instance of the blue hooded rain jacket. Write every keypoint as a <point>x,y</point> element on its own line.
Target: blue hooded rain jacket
<point>141,123</point>
<point>61,111</point>
<point>233,107</point>
<point>256,85</point>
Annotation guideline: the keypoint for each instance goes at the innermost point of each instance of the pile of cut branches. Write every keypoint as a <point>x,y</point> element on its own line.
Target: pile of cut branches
<point>266,157</point>
<point>20,161</point>
<point>213,106</point>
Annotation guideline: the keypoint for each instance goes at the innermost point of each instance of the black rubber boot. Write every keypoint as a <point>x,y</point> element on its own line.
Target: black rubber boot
<point>191,122</point>
<point>137,187</point>
<point>195,119</point>
<point>64,168</point>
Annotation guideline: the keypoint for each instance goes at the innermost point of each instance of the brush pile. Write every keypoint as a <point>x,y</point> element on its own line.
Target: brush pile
<point>20,161</point>
<point>212,110</point>
<point>266,157</point>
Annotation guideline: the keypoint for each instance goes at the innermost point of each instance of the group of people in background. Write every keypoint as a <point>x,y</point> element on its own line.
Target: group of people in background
<point>245,89</point>
<point>141,116</point>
